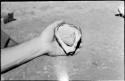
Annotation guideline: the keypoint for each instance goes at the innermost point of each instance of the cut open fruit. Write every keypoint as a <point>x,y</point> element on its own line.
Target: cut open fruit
<point>68,37</point>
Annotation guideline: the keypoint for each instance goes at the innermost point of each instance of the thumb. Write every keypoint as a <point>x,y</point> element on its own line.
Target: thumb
<point>55,24</point>
<point>48,33</point>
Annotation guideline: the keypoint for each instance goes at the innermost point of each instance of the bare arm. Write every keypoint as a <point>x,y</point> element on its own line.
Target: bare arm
<point>21,53</point>
<point>28,50</point>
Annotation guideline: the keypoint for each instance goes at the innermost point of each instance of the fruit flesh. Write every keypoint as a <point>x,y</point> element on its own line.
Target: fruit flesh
<point>67,34</point>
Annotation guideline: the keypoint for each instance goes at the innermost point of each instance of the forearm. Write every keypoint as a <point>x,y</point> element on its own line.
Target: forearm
<point>21,53</point>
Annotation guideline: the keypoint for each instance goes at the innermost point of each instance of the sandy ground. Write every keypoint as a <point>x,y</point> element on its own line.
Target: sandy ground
<point>102,54</point>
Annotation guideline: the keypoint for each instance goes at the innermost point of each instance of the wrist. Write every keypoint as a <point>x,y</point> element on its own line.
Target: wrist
<point>43,47</point>
<point>37,48</point>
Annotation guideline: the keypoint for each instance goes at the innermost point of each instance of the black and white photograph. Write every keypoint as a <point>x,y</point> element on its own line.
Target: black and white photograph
<point>62,40</point>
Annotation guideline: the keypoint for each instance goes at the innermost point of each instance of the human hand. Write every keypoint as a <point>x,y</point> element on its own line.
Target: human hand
<point>48,40</point>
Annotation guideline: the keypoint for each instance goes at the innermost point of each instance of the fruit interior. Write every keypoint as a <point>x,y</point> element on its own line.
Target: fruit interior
<point>67,34</point>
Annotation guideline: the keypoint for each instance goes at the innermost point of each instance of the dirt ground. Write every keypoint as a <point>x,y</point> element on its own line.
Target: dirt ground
<point>102,54</point>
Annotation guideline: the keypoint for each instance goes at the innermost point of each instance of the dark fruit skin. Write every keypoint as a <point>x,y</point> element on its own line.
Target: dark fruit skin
<point>77,47</point>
